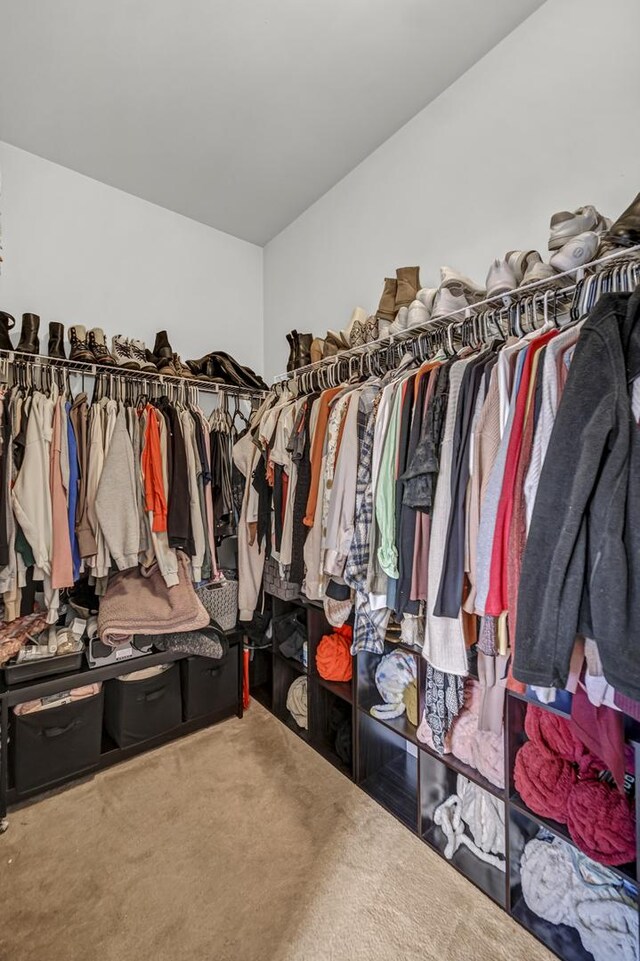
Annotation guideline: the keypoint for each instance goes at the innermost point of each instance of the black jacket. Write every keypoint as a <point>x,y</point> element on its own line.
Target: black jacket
<point>581,566</point>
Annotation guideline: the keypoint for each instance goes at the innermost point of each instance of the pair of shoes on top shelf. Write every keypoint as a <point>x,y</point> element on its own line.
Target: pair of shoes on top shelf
<point>29,342</point>
<point>397,294</point>
<point>221,368</point>
<point>575,238</point>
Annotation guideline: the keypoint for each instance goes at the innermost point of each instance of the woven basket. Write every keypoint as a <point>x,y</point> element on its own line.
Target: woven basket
<point>276,585</point>
<point>220,601</point>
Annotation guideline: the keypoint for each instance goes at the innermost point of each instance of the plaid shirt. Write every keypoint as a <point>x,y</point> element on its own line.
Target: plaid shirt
<point>369,625</point>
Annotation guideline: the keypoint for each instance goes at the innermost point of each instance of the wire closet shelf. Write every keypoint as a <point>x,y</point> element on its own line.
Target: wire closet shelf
<point>479,322</point>
<point>40,363</point>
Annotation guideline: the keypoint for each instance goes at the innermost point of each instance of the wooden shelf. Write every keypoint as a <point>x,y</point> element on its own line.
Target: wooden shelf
<point>341,689</point>
<point>455,764</point>
<point>395,787</point>
<point>627,872</point>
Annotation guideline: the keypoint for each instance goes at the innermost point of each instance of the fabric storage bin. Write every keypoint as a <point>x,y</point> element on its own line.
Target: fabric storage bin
<point>277,585</point>
<point>209,685</point>
<point>58,743</point>
<point>140,709</point>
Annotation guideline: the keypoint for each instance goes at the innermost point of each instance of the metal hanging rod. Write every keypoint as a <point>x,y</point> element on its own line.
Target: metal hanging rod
<point>497,302</point>
<point>84,369</point>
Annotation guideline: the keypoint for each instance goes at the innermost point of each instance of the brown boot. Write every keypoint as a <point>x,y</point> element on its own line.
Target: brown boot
<point>316,350</point>
<point>98,347</point>
<point>56,341</point>
<point>625,232</point>
<point>408,286</point>
<point>387,306</point>
<point>163,353</point>
<point>7,322</point>
<point>29,343</point>
<point>79,347</point>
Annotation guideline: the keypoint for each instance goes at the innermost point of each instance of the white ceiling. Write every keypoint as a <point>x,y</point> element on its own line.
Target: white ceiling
<point>238,113</point>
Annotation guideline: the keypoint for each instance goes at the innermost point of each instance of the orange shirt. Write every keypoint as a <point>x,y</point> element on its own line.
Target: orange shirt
<point>154,495</point>
<point>316,452</point>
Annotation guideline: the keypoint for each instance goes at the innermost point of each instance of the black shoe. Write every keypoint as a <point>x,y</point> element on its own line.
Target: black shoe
<point>29,343</point>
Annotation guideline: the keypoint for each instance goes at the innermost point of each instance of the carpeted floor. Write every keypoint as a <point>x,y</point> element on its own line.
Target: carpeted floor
<point>235,844</point>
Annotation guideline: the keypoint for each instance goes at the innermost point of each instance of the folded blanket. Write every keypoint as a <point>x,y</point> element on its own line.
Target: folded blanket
<point>139,602</point>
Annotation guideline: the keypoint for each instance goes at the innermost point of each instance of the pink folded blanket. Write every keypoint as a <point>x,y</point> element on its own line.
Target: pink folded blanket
<point>139,602</point>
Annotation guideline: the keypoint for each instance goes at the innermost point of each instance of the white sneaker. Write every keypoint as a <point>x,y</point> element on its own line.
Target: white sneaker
<point>384,328</point>
<point>576,252</point>
<point>521,260</point>
<point>418,314</point>
<point>139,353</point>
<point>449,300</point>
<point>566,225</point>
<point>401,322</point>
<point>427,295</point>
<point>537,271</point>
<point>122,353</point>
<point>500,278</point>
<point>451,278</point>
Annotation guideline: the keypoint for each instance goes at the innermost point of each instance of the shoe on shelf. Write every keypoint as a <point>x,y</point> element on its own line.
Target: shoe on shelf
<point>140,353</point>
<point>387,306</point>
<point>418,314</point>
<point>98,346</point>
<point>384,328</point>
<point>356,332</point>
<point>401,322</point>
<point>29,343</point>
<point>576,252</point>
<point>427,296</point>
<point>565,225</point>
<point>500,278</point>
<point>7,323</point>
<point>316,350</point>
<point>625,232</point>
<point>299,350</point>
<point>450,278</point>
<point>329,348</point>
<point>162,350</point>
<point>225,369</point>
<point>371,329</point>
<point>56,341</point>
<point>122,353</point>
<point>78,343</point>
<point>520,261</point>
<point>537,271</point>
<point>335,342</point>
<point>407,286</point>
<point>449,300</point>
<point>181,370</point>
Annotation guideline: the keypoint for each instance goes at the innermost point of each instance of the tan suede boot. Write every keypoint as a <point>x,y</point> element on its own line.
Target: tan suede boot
<point>408,285</point>
<point>316,350</point>
<point>387,306</point>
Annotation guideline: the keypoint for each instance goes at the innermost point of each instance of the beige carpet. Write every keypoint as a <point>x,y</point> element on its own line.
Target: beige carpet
<point>235,844</point>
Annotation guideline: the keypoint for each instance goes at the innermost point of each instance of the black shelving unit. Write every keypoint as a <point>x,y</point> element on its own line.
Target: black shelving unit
<point>110,753</point>
<point>410,779</point>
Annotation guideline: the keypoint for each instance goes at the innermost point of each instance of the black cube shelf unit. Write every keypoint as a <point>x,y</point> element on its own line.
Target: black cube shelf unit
<point>409,779</point>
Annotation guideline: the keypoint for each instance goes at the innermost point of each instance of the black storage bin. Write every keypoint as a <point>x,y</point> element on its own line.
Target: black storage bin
<point>209,685</point>
<point>135,711</point>
<point>56,744</point>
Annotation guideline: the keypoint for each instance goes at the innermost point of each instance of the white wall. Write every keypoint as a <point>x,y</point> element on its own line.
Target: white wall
<point>548,120</point>
<point>77,251</point>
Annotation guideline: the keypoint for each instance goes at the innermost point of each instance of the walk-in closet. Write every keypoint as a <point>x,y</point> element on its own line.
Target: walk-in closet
<point>319,498</point>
